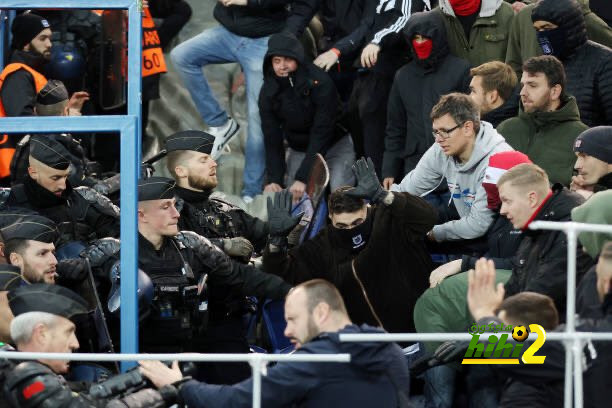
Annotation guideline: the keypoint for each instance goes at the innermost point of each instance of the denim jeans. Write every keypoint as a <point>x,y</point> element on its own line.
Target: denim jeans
<point>219,46</point>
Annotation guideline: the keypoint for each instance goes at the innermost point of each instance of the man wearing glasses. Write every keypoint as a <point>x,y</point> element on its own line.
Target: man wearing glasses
<point>463,145</point>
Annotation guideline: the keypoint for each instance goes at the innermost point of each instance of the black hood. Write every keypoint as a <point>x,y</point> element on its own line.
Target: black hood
<point>286,45</point>
<point>567,14</point>
<point>430,25</point>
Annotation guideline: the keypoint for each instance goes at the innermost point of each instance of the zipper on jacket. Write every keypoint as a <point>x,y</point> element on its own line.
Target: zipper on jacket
<point>365,295</point>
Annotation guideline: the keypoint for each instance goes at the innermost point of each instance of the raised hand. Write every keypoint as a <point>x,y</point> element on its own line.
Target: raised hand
<point>368,186</point>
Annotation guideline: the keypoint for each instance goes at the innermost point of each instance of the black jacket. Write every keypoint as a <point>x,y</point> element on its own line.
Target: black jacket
<point>604,183</point>
<point>588,65</point>
<point>508,110</point>
<point>416,89</point>
<point>374,377</point>
<point>540,263</point>
<point>18,91</point>
<point>81,214</point>
<point>214,219</point>
<point>259,18</point>
<point>301,108</point>
<point>503,241</point>
<point>393,266</point>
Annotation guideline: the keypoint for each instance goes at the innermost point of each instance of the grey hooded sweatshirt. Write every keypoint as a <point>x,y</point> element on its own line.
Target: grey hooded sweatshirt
<point>464,182</point>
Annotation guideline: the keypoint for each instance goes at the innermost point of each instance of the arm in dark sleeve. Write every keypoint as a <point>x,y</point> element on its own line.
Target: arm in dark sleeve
<point>261,284</point>
<point>291,268</point>
<point>18,94</point>
<point>255,229</point>
<point>469,262</point>
<point>302,11</point>
<point>401,13</point>
<point>605,91</point>
<point>283,385</point>
<point>266,4</point>
<point>395,134</point>
<point>107,226</point>
<point>416,215</point>
<point>273,141</point>
<point>325,99</point>
<point>357,38</point>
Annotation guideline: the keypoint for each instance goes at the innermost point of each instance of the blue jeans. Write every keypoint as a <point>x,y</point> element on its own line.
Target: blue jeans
<point>219,46</point>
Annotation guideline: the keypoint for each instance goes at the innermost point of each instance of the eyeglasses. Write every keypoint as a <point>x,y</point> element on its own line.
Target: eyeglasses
<point>445,133</point>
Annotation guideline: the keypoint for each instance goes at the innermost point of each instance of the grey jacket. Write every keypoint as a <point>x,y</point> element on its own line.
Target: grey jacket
<point>464,182</point>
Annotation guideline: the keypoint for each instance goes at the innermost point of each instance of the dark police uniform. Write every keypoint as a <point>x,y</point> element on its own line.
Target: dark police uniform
<point>81,213</point>
<point>211,217</point>
<point>31,384</point>
<point>193,281</point>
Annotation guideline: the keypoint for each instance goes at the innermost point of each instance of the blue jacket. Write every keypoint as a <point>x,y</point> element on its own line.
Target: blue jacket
<point>364,382</point>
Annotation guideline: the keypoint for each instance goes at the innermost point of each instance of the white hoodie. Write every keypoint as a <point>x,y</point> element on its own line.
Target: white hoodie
<point>464,182</point>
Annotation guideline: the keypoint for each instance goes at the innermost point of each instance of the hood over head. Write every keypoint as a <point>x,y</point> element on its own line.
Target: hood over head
<point>430,25</point>
<point>286,45</point>
<point>568,15</point>
<point>596,210</point>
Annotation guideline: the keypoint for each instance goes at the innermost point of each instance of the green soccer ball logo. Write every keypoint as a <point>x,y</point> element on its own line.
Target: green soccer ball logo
<point>520,333</point>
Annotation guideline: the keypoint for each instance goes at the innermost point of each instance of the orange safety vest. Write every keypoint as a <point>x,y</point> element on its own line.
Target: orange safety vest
<point>7,144</point>
<point>153,61</point>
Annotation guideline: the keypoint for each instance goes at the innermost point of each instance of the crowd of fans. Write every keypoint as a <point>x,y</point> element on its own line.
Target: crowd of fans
<point>472,118</point>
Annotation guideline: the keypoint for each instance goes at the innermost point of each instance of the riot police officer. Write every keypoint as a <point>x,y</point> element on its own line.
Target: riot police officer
<point>81,214</point>
<point>195,283</point>
<point>195,172</point>
<point>45,317</point>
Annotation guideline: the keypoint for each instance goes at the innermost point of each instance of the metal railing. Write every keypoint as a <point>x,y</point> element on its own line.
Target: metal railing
<point>256,360</point>
<point>573,341</point>
<point>130,128</point>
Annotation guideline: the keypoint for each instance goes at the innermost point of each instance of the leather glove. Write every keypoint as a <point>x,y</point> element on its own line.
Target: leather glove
<point>368,186</point>
<point>447,352</point>
<point>238,247</point>
<point>280,221</point>
<point>101,251</point>
<point>72,270</point>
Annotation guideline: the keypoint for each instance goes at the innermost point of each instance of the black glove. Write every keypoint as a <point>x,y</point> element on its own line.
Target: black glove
<point>368,186</point>
<point>72,270</point>
<point>447,352</point>
<point>280,221</point>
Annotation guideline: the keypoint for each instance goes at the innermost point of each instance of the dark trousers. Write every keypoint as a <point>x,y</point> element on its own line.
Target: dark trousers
<point>368,107</point>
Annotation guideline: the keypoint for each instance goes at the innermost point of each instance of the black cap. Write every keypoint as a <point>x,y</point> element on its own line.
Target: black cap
<point>26,27</point>
<point>32,227</point>
<point>10,277</point>
<point>54,92</point>
<point>195,140</point>
<point>8,217</point>
<point>155,188</point>
<point>49,151</point>
<point>42,297</point>
<point>596,142</point>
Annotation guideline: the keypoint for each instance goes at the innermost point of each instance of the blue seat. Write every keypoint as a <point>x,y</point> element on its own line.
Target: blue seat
<point>273,313</point>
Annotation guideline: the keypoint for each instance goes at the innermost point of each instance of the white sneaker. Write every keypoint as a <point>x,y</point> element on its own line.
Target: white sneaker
<point>223,134</point>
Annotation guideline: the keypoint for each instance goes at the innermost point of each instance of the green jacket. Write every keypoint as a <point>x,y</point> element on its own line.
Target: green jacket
<point>523,44</point>
<point>596,210</point>
<point>489,34</point>
<point>547,138</point>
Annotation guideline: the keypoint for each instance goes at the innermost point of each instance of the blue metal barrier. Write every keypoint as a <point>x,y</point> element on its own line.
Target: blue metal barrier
<point>130,127</point>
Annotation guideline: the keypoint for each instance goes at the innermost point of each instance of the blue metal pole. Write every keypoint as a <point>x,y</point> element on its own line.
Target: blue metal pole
<point>130,167</point>
<point>4,24</point>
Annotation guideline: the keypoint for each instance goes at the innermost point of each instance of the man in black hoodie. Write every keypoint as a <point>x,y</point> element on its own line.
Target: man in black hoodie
<point>299,103</point>
<point>417,87</point>
<point>242,37</point>
<point>561,31</point>
<point>376,376</point>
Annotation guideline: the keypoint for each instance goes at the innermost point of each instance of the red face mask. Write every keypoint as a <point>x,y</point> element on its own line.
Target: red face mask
<point>465,7</point>
<point>422,49</point>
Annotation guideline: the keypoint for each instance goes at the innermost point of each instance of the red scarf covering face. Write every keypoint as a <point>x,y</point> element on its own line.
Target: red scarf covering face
<point>422,49</point>
<point>537,211</point>
<point>465,7</point>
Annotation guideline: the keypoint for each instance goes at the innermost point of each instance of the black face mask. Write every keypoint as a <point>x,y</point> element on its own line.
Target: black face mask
<point>355,238</point>
<point>552,41</point>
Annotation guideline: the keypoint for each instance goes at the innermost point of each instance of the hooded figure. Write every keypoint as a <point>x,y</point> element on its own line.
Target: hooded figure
<point>417,87</point>
<point>588,65</point>
<point>301,107</point>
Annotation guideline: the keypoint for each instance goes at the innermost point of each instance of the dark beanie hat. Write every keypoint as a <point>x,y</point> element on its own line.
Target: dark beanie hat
<point>26,27</point>
<point>596,142</point>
